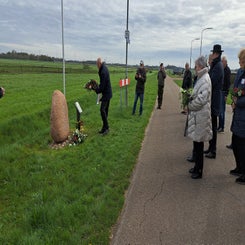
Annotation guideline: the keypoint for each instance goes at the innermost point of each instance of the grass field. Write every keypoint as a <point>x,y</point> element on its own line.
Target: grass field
<point>72,195</point>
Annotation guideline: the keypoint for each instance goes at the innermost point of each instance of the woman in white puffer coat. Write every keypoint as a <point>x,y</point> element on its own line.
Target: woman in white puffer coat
<point>199,117</point>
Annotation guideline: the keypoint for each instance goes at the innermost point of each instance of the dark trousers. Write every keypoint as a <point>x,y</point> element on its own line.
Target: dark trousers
<point>141,96</point>
<point>213,142</point>
<point>104,108</point>
<point>238,146</point>
<point>198,149</point>
<point>160,94</point>
<point>222,112</point>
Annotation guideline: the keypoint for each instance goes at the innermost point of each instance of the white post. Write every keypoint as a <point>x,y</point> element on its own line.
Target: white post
<point>63,48</point>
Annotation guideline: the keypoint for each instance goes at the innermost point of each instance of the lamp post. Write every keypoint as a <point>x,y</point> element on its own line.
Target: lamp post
<point>208,28</point>
<point>191,48</point>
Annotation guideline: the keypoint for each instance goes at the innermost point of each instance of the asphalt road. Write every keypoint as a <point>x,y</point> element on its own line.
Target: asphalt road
<point>163,204</point>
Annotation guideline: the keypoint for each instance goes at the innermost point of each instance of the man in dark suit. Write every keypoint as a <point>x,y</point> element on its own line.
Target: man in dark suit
<point>217,76</point>
<point>186,83</point>
<point>161,75</point>
<point>224,94</point>
<point>104,88</point>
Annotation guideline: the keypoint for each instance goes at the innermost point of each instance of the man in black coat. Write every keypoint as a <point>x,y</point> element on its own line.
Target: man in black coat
<point>161,75</point>
<point>140,77</point>
<point>224,94</point>
<point>187,79</point>
<point>187,83</point>
<point>105,89</point>
<point>217,76</point>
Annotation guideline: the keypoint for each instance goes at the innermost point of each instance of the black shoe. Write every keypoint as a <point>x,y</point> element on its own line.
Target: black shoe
<point>196,176</point>
<point>102,131</point>
<point>235,172</point>
<point>211,155</point>
<point>159,107</point>
<point>191,170</point>
<point>220,130</point>
<point>206,151</point>
<point>241,180</point>
<point>190,159</point>
<point>229,146</point>
<point>105,132</point>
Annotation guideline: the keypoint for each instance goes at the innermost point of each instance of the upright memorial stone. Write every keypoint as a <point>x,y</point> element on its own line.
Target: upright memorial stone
<point>59,118</point>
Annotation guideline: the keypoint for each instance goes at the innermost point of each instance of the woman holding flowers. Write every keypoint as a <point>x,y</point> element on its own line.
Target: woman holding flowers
<point>238,121</point>
<point>199,119</point>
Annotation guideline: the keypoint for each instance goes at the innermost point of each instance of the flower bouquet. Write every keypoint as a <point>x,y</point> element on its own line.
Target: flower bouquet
<point>185,95</point>
<point>235,93</point>
<point>77,137</point>
<point>91,85</point>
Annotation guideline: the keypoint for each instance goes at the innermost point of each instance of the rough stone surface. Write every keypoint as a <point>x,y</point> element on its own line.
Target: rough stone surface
<point>59,117</point>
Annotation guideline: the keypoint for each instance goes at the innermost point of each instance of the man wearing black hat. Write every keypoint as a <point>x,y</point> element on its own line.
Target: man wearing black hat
<point>217,76</point>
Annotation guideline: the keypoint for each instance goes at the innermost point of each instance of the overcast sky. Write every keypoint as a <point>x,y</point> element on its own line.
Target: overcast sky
<point>160,31</point>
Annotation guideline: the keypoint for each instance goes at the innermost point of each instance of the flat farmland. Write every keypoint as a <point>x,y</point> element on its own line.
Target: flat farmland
<point>75,194</point>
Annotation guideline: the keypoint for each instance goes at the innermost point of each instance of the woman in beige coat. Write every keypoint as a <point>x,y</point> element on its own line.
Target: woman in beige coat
<point>199,117</point>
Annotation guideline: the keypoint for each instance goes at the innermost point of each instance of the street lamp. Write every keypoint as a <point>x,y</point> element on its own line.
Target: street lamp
<point>208,28</point>
<point>191,48</point>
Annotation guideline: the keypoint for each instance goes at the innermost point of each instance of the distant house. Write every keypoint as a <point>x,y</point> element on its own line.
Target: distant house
<point>175,70</point>
<point>178,71</point>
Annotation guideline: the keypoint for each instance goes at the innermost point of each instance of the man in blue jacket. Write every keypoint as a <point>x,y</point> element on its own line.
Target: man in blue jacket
<point>105,89</point>
<point>217,77</point>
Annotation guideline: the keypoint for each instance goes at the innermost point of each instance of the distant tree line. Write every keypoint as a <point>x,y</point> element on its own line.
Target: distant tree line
<point>25,56</point>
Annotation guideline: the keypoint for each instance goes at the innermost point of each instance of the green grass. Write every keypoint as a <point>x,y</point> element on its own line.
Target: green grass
<point>72,195</point>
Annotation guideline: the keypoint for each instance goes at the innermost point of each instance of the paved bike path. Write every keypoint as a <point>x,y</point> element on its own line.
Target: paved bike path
<point>163,204</point>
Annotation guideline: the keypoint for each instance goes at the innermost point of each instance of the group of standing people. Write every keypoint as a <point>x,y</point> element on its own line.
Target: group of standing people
<point>104,87</point>
<point>207,106</point>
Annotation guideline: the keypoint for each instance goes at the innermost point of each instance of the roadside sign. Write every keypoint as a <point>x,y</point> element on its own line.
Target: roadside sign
<point>124,82</point>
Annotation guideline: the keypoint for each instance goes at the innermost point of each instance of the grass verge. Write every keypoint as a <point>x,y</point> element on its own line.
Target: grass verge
<point>75,194</point>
